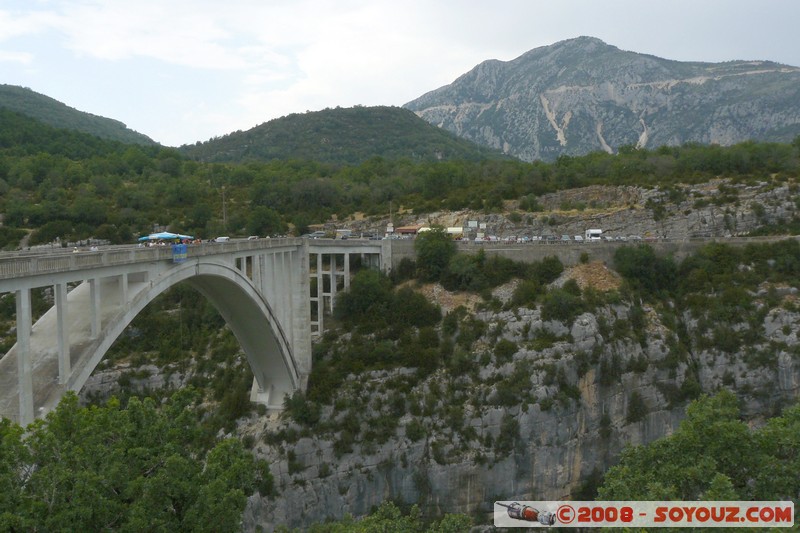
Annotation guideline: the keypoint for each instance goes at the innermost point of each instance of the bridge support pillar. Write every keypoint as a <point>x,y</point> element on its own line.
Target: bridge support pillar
<point>334,281</point>
<point>24,367</point>
<point>258,271</point>
<point>346,271</point>
<point>284,281</point>
<point>319,299</point>
<point>123,290</point>
<point>259,395</point>
<point>94,304</point>
<point>64,364</point>
<point>301,315</point>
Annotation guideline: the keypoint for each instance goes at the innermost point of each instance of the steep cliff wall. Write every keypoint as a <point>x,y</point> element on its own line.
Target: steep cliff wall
<point>537,425</point>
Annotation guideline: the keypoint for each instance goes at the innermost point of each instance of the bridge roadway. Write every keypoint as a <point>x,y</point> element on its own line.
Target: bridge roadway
<point>262,288</point>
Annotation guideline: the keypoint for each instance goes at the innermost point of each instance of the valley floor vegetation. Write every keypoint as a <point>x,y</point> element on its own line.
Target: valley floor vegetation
<point>132,468</point>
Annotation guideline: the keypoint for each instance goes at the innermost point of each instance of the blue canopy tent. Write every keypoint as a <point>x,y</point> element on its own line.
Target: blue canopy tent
<point>164,236</point>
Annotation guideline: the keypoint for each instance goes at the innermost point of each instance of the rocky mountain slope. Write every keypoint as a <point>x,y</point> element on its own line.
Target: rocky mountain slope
<point>719,208</point>
<point>583,95</point>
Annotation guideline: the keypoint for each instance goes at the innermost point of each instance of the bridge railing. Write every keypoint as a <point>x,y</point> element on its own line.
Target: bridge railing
<point>29,264</point>
<point>36,262</point>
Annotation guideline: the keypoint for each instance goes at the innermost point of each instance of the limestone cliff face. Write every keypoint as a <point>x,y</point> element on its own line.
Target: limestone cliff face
<point>582,95</point>
<point>583,392</point>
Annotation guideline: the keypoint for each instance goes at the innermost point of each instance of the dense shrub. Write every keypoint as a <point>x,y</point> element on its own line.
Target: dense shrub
<point>561,304</point>
<point>434,250</point>
<point>368,300</point>
<point>504,350</point>
<point>637,409</point>
<point>645,271</point>
<point>547,270</point>
<point>409,308</point>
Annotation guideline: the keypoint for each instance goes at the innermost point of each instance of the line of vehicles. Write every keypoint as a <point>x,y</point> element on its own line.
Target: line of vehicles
<point>592,235</point>
<point>564,239</point>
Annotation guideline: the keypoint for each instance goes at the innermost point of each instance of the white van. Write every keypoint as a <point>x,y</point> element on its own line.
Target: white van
<point>222,239</point>
<point>594,235</point>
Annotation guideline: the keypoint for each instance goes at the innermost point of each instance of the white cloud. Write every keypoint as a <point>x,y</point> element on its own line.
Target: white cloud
<point>15,24</point>
<point>15,57</point>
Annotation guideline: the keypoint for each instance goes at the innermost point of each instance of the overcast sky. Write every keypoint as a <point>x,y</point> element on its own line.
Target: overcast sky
<point>182,71</point>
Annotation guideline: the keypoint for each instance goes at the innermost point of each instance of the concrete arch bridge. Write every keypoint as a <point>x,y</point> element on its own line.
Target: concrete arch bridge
<point>262,288</point>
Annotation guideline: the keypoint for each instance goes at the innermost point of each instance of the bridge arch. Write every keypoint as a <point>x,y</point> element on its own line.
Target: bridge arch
<point>262,289</point>
<point>244,309</point>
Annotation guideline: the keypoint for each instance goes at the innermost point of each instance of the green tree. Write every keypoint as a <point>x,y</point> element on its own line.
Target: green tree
<point>388,518</point>
<point>434,250</point>
<point>547,270</point>
<point>369,297</point>
<point>264,221</point>
<point>137,468</point>
<point>410,308</point>
<point>644,270</point>
<point>713,453</point>
<point>462,273</point>
<point>561,304</point>
<point>14,456</point>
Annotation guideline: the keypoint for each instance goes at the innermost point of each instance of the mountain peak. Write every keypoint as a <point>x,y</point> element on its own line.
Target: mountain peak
<point>582,95</point>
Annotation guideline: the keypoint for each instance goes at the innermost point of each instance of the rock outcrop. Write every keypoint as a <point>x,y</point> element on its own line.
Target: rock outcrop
<point>538,426</point>
<point>719,208</point>
<point>582,95</point>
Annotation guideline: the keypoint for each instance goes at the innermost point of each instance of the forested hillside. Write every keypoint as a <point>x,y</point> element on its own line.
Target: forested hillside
<point>58,115</point>
<point>342,136</point>
<point>73,186</point>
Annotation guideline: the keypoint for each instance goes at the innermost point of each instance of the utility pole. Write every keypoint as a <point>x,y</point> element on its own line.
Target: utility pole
<point>224,211</point>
